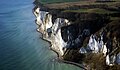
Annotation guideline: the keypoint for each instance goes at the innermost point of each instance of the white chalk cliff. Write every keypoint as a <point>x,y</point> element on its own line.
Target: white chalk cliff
<point>52,32</point>
<point>98,46</point>
<point>44,21</point>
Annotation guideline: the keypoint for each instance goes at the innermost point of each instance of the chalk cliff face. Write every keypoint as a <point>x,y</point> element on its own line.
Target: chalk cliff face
<point>51,30</point>
<point>85,36</point>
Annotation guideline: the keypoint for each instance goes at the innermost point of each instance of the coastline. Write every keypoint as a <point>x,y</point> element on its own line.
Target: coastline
<point>52,32</point>
<point>59,57</point>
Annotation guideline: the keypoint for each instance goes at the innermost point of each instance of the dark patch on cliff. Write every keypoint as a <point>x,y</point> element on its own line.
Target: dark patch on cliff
<point>72,54</point>
<point>92,22</point>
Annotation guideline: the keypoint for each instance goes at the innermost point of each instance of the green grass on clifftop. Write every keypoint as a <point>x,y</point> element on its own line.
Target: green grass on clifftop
<point>94,10</point>
<point>56,1</point>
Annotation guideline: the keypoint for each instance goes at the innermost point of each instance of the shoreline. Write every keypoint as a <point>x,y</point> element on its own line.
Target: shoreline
<point>59,58</point>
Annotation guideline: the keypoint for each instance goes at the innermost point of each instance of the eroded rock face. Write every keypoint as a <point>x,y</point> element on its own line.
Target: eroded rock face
<point>79,35</point>
<point>118,59</point>
<point>51,30</point>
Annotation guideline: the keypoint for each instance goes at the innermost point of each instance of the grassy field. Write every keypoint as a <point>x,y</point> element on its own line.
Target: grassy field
<point>94,10</point>
<point>57,1</point>
<point>62,1</point>
<point>60,4</point>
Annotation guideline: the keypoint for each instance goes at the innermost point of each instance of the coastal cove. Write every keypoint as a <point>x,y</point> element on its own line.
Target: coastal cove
<point>21,47</point>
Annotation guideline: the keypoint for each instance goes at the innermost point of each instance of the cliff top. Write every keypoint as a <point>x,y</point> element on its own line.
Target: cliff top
<point>80,6</point>
<point>61,4</point>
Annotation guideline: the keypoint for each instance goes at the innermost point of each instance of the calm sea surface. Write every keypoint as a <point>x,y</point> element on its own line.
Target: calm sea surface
<point>20,45</point>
